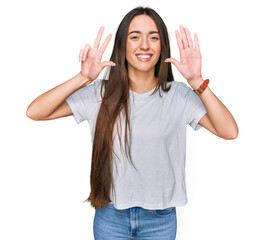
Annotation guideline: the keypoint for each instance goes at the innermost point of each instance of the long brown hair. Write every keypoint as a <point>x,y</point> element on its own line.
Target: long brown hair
<point>116,101</point>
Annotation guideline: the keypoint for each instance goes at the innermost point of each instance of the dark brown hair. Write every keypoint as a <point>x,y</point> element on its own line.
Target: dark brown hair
<point>116,101</point>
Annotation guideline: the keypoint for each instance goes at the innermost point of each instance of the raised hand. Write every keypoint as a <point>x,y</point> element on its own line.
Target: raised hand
<point>90,58</point>
<point>190,57</point>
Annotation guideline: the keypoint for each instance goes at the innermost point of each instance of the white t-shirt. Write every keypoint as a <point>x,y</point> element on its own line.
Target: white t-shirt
<point>158,143</point>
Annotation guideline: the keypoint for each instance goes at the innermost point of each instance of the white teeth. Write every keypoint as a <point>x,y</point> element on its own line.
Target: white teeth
<point>143,56</point>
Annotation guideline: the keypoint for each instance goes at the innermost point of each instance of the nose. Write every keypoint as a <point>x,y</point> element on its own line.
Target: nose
<point>144,44</point>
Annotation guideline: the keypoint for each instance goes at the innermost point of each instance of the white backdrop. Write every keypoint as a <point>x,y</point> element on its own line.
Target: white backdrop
<point>45,165</point>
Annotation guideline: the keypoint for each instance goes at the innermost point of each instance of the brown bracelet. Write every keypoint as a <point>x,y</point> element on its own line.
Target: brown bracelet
<point>202,87</point>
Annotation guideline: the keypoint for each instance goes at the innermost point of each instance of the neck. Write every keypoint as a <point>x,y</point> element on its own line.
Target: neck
<point>142,82</point>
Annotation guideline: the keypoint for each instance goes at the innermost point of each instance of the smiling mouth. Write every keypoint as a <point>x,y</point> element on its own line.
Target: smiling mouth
<point>144,57</point>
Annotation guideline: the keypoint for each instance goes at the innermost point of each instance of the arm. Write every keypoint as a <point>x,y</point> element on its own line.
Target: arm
<point>218,119</point>
<point>52,104</point>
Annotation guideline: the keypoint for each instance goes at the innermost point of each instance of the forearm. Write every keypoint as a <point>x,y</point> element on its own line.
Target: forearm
<point>48,102</point>
<point>221,118</point>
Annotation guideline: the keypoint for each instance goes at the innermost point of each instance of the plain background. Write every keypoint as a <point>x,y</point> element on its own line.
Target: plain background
<point>45,165</point>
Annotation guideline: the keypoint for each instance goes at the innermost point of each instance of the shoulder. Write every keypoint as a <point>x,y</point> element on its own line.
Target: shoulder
<point>180,88</point>
<point>93,87</point>
<point>95,84</point>
<point>91,90</point>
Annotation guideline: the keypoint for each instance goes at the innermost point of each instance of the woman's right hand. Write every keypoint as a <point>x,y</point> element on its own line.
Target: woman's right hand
<point>90,58</point>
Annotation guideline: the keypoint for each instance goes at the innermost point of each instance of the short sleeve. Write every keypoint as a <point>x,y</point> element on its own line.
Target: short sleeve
<point>82,101</point>
<point>194,109</point>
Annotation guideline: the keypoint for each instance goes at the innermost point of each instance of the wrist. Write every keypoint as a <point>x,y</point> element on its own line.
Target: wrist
<point>85,80</point>
<point>196,82</point>
<point>202,87</point>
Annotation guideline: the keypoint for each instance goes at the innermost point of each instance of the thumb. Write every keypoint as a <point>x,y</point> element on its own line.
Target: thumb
<point>108,63</point>
<point>174,61</point>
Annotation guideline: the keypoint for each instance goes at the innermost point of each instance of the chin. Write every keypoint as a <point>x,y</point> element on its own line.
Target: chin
<point>146,70</point>
<point>142,68</point>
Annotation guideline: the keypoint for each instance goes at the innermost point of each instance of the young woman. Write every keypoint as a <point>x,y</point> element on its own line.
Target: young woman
<point>138,116</point>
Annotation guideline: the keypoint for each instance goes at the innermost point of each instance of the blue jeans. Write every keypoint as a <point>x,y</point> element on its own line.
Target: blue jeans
<point>134,223</point>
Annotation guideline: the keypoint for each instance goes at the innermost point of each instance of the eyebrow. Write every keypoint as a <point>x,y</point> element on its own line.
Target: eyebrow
<point>151,32</point>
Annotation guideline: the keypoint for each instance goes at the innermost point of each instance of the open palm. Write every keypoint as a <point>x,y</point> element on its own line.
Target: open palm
<point>190,57</point>
<point>90,58</point>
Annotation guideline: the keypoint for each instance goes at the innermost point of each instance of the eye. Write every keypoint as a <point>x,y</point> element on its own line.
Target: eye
<point>154,38</point>
<point>134,37</point>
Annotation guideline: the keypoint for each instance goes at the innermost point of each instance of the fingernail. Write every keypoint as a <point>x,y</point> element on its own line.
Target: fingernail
<point>84,58</point>
<point>114,64</point>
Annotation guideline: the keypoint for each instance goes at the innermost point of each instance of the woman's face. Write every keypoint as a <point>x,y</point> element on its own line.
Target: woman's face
<point>143,45</point>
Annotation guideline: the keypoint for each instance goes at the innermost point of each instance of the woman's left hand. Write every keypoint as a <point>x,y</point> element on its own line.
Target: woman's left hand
<point>190,56</point>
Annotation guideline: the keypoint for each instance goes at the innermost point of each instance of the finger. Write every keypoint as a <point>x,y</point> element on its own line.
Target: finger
<point>196,39</point>
<point>174,61</point>
<point>184,37</point>
<point>104,45</point>
<point>80,55</point>
<point>189,37</point>
<point>180,44</point>
<point>98,38</point>
<point>86,50</point>
<point>108,63</point>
